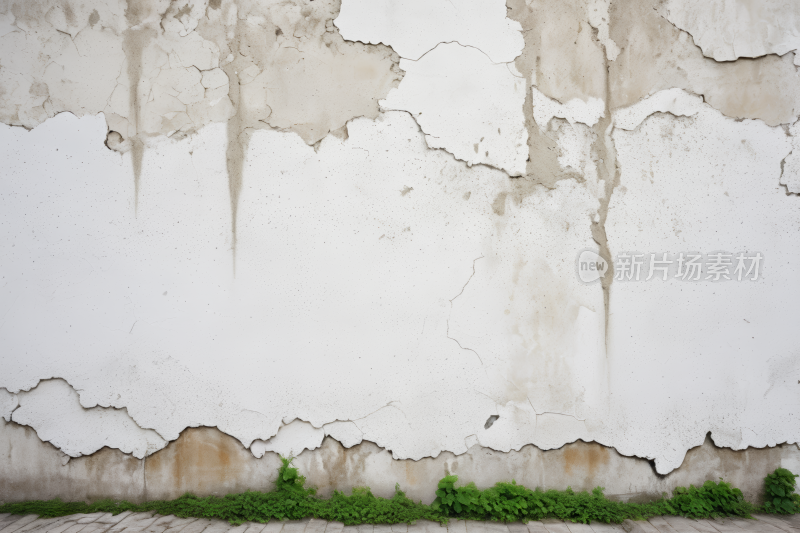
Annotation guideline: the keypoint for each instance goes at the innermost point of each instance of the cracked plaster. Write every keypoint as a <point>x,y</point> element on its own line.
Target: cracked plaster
<point>729,29</point>
<point>365,254</point>
<point>466,105</point>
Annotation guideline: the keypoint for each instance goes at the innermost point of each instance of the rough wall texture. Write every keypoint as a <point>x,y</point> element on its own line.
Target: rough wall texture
<point>355,229</point>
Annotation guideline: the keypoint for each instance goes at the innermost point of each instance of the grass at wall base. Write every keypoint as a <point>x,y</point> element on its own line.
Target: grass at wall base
<point>507,502</point>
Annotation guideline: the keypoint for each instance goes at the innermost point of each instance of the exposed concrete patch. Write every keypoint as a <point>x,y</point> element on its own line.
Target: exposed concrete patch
<point>548,52</point>
<point>205,461</point>
<point>726,30</point>
<point>656,56</point>
<point>576,110</point>
<point>413,27</point>
<point>36,470</point>
<point>447,81</point>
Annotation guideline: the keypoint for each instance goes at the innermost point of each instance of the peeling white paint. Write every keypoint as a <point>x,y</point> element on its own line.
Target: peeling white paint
<point>703,183</point>
<point>466,105</point>
<point>790,176</point>
<point>598,17</point>
<point>674,101</point>
<point>291,440</point>
<point>269,252</point>
<point>346,432</point>
<point>587,112</point>
<point>413,27</point>
<point>8,402</point>
<point>729,29</point>
<point>53,409</point>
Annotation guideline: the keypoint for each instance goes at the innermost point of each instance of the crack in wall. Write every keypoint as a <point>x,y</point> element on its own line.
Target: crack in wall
<point>451,311</point>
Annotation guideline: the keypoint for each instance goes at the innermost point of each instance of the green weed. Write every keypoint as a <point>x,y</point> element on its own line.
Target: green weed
<point>507,502</point>
<point>779,492</point>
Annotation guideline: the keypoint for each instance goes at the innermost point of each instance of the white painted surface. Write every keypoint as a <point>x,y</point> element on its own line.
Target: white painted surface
<point>729,29</point>
<point>676,102</point>
<point>713,355</point>
<point>54,411</point>
<point>576,110</point>
<point>413,27</point>
<point>466,105</point>
<point>387,284</point>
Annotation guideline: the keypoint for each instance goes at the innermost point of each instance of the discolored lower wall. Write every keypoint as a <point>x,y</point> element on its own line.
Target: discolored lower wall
<point>206,461</point>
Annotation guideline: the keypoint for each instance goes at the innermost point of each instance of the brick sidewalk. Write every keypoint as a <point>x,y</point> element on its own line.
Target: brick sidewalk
<point>150,523</point>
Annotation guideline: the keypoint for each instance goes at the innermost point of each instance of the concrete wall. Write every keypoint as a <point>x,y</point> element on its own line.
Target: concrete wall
<point>357,230</point>
<point>205,461</point>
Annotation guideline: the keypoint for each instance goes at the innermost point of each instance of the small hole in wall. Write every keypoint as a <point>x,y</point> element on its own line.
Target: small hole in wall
<point>491,420</point>
<point>114,140</point>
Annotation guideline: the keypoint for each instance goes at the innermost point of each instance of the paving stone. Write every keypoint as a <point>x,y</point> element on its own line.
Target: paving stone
<point>535,526</point>
<point>639,526</point>
<point>792,519</point>
<point>7,518</point>
<point>111,519</point>
<point>96,527</point>
<point>724,525</point>
<point>67,523</point>
<point>703,526</point>
<point>42,524</point>
<point>254,527</point>
<point>315,525</point>
<point>273,526</point>
<point>197,526</point>
<point>350,529</point>
<point>161,524</point>
<point>294,526</point>
<point>382,528</point>
<point>600,527</point>
<point>575,527</point>
<point>775,521</point>
<point>178,525</point>
<point>334,527</point>
<point>755,526</point>
<point>89,518</point>
<point>72,528</point>
<point>134,522</point>
<point>221,526</point>
<point>457,526</point>
<point>12,526</point>
<point>399,528</point>
<point>425,526</point>
<point>661,525</point>
<point>517,527</point>
<point>682,524</point>
<point>494,527</point>
<point>555,526</point>
<point>365,528</point>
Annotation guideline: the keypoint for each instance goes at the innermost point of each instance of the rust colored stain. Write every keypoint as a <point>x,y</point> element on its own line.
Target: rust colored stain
<point>200,460</point>
<point>584,457</point>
